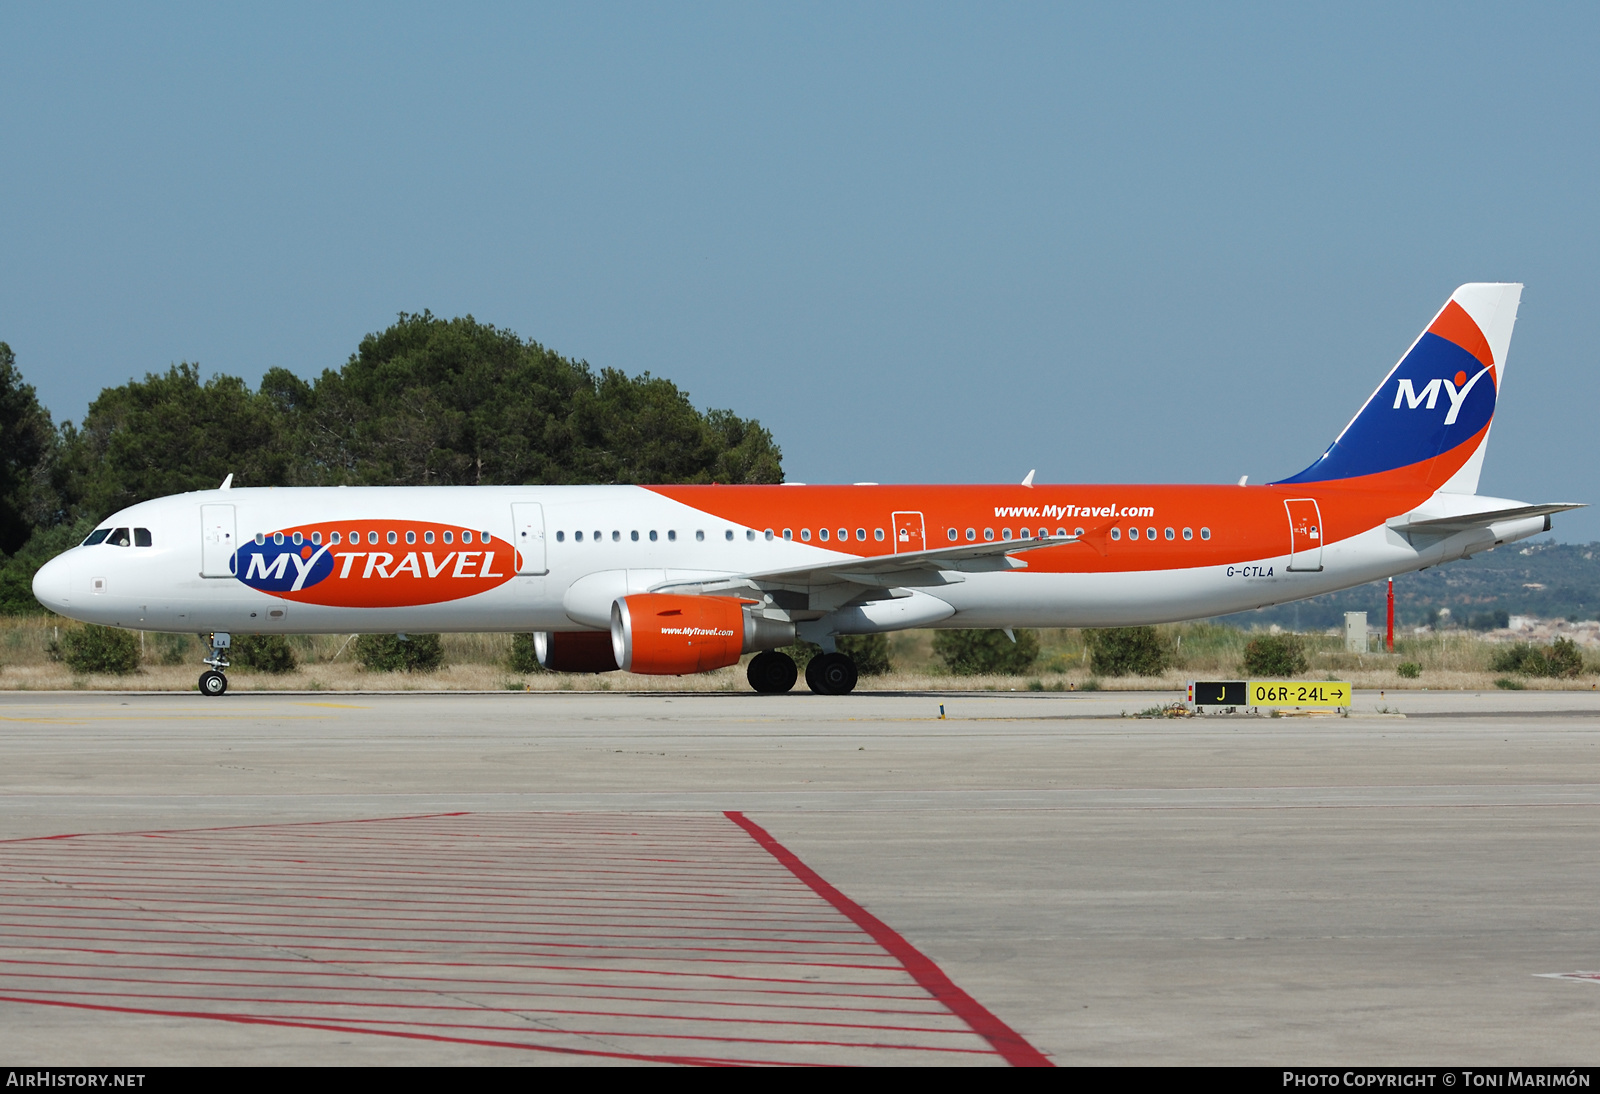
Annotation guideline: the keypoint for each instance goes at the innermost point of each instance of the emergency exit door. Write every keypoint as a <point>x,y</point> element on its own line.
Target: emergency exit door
<point>1305,534</point>
<point>527,534</point>
<point>908,533</point>
<point>218,540</point>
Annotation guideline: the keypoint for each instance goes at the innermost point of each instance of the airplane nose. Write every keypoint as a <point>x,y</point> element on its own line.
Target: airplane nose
<point>52,585</point>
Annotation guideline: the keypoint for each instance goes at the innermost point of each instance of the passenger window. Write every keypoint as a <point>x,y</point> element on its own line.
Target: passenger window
<point>728,535</point>
<point>141,537</point>
<point>597,536</point>
<point>750,534</point>
<point>988,533</point>
<point>277,537</point>
<point>652,535</point>
<point>260,538</point>
<point>1205,533</point>
<point>768,534</point>
<point>97,537</point>
<point>972,534</point>
<point>634,535</point>
<point>1077,532</point>
<point>822,535</point>
<point>844,534</point>
<point>411,537</point>
<point>699,537</point>
<point>372,538</point>
<point>333,538</point>
<point>466,536</point>
<point>877,534</point>
<point>805,534</point>
<point>577,537</point>
<point>427,537</point>
<point>1188,533</point>
<point>1133,533</point>
<point>316,538</point>
<point>297,539</point>
<point>485,538</point>
<point>450,537</point>
<point>392,536</point>
<point>1170,533</point>
<point>788,535</point>
<point>950,532</point>
<point>861,535</point>
<point>1116,533</point>
<point>1150,533</point>
<point>1005,533</point>
<point>616,536</point>
<point>672,536</point>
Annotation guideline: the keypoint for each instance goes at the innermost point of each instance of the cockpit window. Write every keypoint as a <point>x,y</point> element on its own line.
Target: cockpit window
<point>141,537</point>
<point>119,538</point>
<point>97,536</point>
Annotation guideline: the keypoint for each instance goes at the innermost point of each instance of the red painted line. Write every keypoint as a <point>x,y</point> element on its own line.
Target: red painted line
<point>1006,1041</point>
<point>236,827</point>
<point>250,1020</point>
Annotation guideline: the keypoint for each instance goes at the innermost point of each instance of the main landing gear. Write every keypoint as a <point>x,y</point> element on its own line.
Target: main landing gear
<point>773,673</point>
<point>212,681</point>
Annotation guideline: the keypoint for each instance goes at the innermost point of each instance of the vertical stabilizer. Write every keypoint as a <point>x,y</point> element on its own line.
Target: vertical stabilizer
<point>1427,424</point>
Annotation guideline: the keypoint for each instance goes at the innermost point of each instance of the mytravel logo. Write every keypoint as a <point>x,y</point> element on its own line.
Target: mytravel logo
<point>1455,389</point>
<point>375,563</point>
<point>1053,512</point>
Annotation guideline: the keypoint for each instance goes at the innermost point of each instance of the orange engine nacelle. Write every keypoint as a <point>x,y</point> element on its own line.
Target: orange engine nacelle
<point>658,634</point>
<point>575,651</point>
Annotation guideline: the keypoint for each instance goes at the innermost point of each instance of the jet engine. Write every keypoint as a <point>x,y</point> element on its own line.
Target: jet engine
<point>575,651</point>
<point>658,634</point>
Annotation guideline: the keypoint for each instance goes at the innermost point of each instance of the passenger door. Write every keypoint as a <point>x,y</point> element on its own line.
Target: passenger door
<point>1305,534</point>
<point>527,534</point>
<point>218,540</point>
<point>908,532</point>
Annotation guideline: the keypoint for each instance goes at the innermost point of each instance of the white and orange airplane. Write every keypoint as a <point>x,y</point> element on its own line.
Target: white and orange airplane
<point>672,580</point>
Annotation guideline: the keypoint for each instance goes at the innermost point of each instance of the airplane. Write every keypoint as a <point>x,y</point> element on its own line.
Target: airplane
<point>675,580</point>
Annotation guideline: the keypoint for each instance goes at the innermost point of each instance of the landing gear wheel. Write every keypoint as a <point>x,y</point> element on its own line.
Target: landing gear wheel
<point>213,682</point>
<point>831,674</point>
<point>772,673</point>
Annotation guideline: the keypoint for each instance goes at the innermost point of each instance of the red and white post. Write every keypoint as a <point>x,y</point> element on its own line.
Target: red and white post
<point>1388,640</point>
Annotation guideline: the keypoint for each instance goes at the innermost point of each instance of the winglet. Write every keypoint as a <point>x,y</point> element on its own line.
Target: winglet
<point>227,483</point>
<point>1028,482</point>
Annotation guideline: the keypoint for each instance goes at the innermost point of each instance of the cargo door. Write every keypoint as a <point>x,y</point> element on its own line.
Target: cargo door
<point>1305,534</point>
<point>527,533</point>
<point>218,540</point>
<point>908,533</point>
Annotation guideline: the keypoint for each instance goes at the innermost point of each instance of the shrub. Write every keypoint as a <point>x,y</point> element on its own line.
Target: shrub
<point>870,652</point>
<point>391,653</point>
<point>1408,669</point>
<point>1561,658</point>
<point>173,649</point>
<point>98,649</point>
<point>982,653</point>
<point>1127,651</point>
<point>524,658</point>
<point>264,653</point>
<point>1275,655</point>
<point>1508,684</point>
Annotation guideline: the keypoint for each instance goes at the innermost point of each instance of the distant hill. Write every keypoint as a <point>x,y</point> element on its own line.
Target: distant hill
<point>1546,579</point>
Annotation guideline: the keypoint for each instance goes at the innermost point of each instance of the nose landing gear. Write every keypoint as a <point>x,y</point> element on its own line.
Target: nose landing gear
<point>212,681</point>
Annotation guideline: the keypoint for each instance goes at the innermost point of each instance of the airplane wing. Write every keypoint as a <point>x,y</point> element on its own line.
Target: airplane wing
<point>1463,522</point>
<point>909,569</point>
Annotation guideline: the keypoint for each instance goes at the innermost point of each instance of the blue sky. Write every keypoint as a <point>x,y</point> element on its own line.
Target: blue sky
<point>919,242</point>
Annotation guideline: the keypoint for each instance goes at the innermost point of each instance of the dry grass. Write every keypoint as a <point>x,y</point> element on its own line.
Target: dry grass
<point>480,662</point>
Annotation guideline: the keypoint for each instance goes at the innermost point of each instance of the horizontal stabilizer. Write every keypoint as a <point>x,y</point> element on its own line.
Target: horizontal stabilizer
<point>1462,522</point>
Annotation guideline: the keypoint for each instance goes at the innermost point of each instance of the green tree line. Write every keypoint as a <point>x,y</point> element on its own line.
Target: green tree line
<point>429,401</point>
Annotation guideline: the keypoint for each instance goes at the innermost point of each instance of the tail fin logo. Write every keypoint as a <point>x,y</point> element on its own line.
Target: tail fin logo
<point>1455,390</point>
